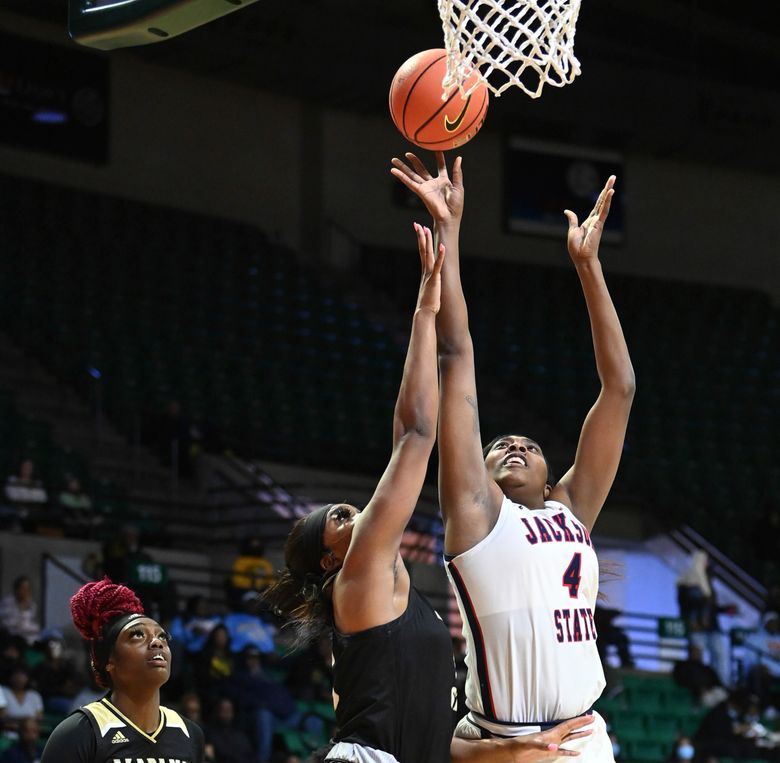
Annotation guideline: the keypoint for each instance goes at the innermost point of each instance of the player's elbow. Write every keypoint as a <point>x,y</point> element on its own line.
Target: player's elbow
<point>621,384</point>
<point>417,428</point>
<point>453,350</point>
<point>626,386</point>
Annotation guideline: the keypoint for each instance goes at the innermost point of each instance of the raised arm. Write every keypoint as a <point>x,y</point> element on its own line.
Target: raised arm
<point>470,501</point>
<point>586,485</point>
<point>369,570</point>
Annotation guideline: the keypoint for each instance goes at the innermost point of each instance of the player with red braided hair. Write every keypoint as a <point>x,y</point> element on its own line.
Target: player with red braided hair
<point>130,657</point>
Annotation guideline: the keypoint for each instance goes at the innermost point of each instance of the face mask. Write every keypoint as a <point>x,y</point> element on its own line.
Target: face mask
<point>685,752</point>
<point>615,749</point>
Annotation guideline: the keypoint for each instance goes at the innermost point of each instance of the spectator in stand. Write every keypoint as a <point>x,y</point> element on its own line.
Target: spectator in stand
<point>19,612</point>
<point>699,609</point>
<point>683,750</point>
<point>231,744</point>
<point>178,440</point>
<point>126,561</point>
<point>77,515</point>
<point>122,553</point>
<point>762,651</point>
<point>192,628</point>
<point>267,702</point>
<point>29,746</point>
<point>20,701</point>
<point>214,665</point>
<point>90,692</point>
<point>11,656</point>
<point>693,588</point>
<point>310,672</point>
<point>25,493</point>
<point>191,708</point>
<point>609,633</point>
<point>725,730</point>
<point>189,632</point>
<point>700,679</point>
<point>56,676</point>
<point>251,570</point>
<point>247,628</point>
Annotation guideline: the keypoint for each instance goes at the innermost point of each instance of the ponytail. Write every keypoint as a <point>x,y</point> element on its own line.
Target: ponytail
<point>300,595</point>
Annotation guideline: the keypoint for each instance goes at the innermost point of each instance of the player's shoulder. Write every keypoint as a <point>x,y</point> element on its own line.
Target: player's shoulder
<point>174,720</point>
<point>72,739</point>
<point>556,504</point>
<point>76,723</point>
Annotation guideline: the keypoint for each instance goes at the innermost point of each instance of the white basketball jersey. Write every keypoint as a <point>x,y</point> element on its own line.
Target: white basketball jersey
<point>526,594</point>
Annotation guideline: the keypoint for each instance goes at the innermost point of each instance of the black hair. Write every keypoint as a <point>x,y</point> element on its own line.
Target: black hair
<point>299,594</point>
<point>550,473</point>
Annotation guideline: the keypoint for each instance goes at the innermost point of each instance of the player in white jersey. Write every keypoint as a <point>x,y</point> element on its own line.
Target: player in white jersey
<point>520,555</point>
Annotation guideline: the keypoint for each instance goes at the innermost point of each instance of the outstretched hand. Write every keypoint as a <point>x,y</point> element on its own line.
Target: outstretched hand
<point>442,196</point>
<point>429,297</point>
<point>583,240</point>
<point>546,745</point>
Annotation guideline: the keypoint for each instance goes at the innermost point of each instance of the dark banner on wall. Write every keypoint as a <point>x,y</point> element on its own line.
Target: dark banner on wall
<point>542,179</point>
<point>53,99</point>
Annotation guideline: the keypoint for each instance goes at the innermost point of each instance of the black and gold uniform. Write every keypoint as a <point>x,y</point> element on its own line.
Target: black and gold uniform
<point>395,684</point>
<point>99,733</point>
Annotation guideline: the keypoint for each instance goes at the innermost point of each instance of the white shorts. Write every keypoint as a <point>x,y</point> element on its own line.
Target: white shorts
<point>358,753</point>
<point>596,748</point>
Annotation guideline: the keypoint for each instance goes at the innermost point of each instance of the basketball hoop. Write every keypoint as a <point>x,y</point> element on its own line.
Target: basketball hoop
<point>516,43</point>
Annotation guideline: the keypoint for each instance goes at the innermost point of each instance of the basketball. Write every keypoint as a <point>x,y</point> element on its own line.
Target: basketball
<point>419,112</point>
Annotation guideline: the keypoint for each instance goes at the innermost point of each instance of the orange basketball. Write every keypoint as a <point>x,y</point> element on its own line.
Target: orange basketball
<point>422,116</point>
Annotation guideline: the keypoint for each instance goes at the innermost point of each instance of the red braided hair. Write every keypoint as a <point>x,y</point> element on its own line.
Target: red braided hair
<point>95,604</point>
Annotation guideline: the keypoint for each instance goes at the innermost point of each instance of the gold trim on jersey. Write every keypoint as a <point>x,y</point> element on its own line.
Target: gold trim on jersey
<point>105,718</point>
<point>108,716</point>
<point>173,720</point>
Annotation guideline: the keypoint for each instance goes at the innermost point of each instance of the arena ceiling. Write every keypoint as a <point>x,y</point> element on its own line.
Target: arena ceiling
<point>720,67</point>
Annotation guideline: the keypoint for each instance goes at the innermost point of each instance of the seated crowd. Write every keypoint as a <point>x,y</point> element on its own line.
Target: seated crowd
<point>232,672</point>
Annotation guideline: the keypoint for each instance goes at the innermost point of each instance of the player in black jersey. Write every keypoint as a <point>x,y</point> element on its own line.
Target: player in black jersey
<point>393,665</point>
<point>130,656</point>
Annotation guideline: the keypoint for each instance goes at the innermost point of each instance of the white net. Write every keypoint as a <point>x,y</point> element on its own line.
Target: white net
<point>511,43</point>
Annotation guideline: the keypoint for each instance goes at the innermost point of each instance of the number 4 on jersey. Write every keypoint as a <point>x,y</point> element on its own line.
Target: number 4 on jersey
<point>572,577</point>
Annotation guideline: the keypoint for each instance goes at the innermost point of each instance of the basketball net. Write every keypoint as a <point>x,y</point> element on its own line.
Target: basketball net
<point>514,43</point>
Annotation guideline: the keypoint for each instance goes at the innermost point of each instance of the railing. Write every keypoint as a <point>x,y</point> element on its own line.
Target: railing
<point>723,568</point>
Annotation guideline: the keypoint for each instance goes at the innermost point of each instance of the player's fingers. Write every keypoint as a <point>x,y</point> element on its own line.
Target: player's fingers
<point>573,724</point>
<point>578,735</point>
<point>562,752</point>
<point>399,166</point>
<point>574,728</point>
<point>405,179</point>
<point>571,217</point>
<point>420,234</point>
<point>597,209</point>
<point>457,172</point>
<point>439,260</point>
<point>430,259</point>
<point>419,167</point>
<point>606,205</point>
<point>441,164</point>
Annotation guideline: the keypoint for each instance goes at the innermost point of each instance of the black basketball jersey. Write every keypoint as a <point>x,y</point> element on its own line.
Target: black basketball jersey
<point>99,733</point>
<point>395,684</point>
